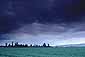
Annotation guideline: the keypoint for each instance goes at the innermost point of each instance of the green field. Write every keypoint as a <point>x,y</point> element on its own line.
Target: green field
<point>42,52</point>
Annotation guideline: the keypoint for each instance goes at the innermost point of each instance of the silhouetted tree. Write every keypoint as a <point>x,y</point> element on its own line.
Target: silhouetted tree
<point>6,44</point>
<point>16,44</point>
<point>12,44</point>
<point>36,46</point>
<point>23,45</point>
<point>31,45</point>
<point>48,45</point>
<point>9,45</point>
<point>44,45</point>
<point>20,45</point>
<point>26,45</point>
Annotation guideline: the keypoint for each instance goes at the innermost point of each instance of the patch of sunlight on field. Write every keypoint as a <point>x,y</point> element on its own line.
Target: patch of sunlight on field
<point>42,52</point>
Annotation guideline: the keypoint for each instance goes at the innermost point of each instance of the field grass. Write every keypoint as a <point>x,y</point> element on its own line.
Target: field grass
<point>42,52</point>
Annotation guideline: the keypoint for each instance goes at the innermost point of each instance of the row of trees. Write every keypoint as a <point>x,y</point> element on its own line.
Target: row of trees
<point>24,45</point>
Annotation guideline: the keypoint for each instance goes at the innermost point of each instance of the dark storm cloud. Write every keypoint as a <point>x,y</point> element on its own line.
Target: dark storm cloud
<point>31,8</point>
<point>7,24</point>
<point>73,8</point>
<point>3,6</point>
<point>82,7</point>
<point>18,13</point>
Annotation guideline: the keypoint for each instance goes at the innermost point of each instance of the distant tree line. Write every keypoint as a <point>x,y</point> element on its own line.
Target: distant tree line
<point>24,45</point>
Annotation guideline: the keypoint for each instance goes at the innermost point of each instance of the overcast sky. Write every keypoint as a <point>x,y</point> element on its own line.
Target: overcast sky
<point>56,22</point>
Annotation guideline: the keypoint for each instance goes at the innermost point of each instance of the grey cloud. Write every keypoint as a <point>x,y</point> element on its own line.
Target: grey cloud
<point>37,28</point>
<point>55,34</point>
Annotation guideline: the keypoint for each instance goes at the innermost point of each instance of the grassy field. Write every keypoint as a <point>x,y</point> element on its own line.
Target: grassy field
<point>42,52</point>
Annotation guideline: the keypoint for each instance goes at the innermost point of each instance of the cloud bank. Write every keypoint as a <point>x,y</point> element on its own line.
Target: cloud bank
<point>55,34</point>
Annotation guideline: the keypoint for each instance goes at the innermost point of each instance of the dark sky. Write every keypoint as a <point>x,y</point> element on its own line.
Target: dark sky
<point>37,16</point>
